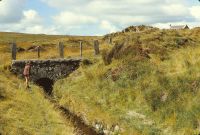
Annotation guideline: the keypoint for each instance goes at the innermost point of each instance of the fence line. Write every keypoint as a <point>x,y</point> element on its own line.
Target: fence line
<point>60,49</point>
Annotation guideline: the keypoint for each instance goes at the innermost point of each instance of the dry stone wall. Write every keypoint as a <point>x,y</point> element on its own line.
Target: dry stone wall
<point>52,69</point>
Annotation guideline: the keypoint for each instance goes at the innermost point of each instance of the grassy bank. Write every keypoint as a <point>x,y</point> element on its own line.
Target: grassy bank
<point>148,85</point>
<point>27,112</point>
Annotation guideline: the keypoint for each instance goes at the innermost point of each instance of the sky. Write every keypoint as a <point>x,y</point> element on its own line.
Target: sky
<point>94,17</point>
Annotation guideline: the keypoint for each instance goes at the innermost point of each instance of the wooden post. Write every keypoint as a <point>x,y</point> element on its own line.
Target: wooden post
<point>13,51</point>
<point>81,49</point>
<point>61,49</point>
<point>96,47</point>
<point>38,51</point>
<point>110,40</point>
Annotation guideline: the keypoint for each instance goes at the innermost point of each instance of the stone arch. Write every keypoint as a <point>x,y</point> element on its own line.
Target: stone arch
<point>46,84</point>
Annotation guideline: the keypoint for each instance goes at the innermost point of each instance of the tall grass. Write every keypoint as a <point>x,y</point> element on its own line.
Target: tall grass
<point>27,112</point>
<point>150,88</point>
<point>149,85</point>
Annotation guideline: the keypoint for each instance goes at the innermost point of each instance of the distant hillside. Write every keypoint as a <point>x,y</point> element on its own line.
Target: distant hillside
<point>6,37</point>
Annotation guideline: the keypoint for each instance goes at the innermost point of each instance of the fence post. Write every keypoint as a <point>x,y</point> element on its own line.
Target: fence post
<point>13,51</point>
<point>38,51</point>
<point>61,49</point>
<point>81,49</point>
<point>96,47</point>
<point>110,40</point>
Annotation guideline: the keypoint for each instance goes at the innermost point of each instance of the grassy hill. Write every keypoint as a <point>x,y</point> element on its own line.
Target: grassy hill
<point>146,82</point>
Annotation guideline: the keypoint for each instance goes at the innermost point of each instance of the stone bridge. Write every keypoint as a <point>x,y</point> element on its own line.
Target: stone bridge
<point>45,72</point>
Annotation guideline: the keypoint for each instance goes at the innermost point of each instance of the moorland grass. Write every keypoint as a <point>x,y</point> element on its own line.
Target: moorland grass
<point>150,89</point>
<point>27,112</point>
<point>150,85</point>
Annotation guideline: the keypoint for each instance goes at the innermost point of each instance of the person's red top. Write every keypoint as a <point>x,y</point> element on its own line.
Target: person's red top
<point>27,70</point>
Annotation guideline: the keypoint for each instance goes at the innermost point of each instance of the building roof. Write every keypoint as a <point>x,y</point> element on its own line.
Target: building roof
<point>178,27</point>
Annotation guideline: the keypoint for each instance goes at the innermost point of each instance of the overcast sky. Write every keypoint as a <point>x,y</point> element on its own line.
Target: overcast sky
<point>94,17</point>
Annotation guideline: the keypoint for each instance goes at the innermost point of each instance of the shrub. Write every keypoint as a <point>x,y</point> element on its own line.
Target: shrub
<point>86,62</point>
<point>180,41</point>
<point>106,58</point>
<point>114,53</point>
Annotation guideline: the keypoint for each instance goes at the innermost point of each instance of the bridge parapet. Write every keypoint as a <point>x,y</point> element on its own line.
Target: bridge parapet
<point>52,69</point>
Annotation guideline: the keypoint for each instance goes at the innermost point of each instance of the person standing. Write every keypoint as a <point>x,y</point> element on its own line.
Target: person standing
<point>26,73</point>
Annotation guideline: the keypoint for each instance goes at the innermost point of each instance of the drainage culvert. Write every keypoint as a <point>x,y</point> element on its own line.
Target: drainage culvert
<point>46,84</point>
